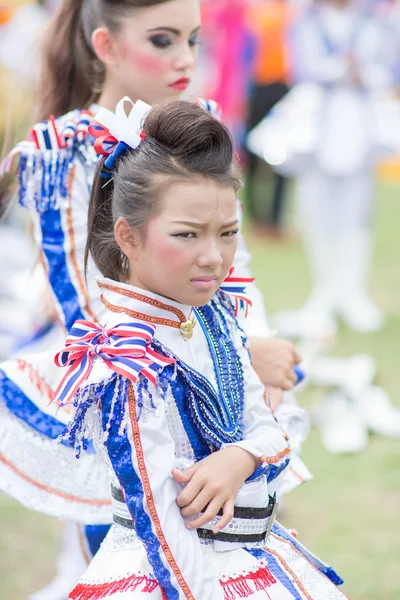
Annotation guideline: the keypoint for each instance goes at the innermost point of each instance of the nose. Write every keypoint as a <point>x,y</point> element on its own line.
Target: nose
<point>186,58</point>
<point>210,256</point>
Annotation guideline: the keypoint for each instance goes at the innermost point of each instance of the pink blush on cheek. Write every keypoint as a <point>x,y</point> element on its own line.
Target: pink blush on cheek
<point>143,60</point>
<point>166,253</point>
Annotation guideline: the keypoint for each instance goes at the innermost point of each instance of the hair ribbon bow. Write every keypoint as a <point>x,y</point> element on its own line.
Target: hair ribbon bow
<point>116,132</point>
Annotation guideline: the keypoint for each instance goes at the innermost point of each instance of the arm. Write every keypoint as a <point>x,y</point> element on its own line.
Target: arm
<point>263,436</point>
<point>54,186</point>
<point>60,233</point>
<point>143,461</point>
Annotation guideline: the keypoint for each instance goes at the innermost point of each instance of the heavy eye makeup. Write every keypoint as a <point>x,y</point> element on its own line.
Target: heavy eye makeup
<point>163,40</point>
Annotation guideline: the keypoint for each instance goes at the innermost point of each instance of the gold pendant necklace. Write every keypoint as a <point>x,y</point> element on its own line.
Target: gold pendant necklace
<point>187,328</point>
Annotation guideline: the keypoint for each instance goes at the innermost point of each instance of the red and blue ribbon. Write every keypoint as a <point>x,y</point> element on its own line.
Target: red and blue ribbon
<point>125,349</point>
<point>236,287</point>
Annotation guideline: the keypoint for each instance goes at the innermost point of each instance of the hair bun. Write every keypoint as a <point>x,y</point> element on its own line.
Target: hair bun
<point>190,133</point>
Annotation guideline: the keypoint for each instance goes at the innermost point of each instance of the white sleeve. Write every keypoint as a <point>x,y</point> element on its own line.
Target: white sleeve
<point>144,471</point>
<point>263,436</point>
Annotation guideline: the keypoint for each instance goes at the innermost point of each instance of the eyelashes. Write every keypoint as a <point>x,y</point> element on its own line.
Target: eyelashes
<point>191,235</point>
<point>162,41</point>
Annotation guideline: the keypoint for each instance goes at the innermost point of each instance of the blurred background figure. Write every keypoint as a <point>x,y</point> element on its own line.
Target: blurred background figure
<point>23,316</point>
<point>225,62</point>
<point>342,52</point>
<point>330,131</point>
<point>269,22</point>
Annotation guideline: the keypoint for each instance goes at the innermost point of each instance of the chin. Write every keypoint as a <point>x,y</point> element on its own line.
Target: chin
<point>202,297</point>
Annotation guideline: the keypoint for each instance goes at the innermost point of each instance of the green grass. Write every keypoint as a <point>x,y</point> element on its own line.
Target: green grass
<point>349,513</point>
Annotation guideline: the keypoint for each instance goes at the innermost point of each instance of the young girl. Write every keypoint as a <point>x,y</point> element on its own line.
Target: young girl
<point>96,51</point>
<point>163,383</point>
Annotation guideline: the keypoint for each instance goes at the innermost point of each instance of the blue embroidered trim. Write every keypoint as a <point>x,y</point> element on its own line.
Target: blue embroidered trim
<point>204,405</point>
<point>273,471</point>
<point>95,535</point>
<point>199,445</point>
<point>276,570</point>
<point>120,452</point>
<point>228,367</point>
<point>22,407</point>
<point>319,564</point>
<point>53,239</point>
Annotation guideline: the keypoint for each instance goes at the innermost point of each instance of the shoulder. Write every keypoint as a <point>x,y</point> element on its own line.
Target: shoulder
<point>210,106</point>
<point>44,160</point>
<point>57,134</point>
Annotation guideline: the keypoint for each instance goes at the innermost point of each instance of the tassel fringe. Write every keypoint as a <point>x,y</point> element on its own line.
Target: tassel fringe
<point>240,586</point>
<point>243,586</point>
<point>103,590</point>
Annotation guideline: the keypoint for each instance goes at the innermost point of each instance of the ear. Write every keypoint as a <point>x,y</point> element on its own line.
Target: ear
<point>104,46</point>
<point>125,238</point>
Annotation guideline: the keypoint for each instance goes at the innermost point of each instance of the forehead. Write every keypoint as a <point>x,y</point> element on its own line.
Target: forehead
<point>201,199</point>
<point>182,15</point>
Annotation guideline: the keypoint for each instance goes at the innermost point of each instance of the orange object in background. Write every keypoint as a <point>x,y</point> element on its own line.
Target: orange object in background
<point>8,8</point>
<point>389,170</point>
<point>269,21</point>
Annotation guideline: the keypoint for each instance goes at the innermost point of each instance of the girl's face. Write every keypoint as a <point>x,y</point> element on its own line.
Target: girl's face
<point>155,52</point>
<point>189,246</point>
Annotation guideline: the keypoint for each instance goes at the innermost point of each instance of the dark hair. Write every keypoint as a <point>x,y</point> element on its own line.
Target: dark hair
<point>182,140</point>
<point>72,75</point>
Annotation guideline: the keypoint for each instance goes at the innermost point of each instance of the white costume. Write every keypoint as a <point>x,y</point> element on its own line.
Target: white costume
<point>56,170</point>
<point>199,394</point>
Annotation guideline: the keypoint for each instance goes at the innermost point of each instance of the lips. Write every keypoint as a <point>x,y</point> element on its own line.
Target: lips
<point>181,84</point>
<point>204,283</point>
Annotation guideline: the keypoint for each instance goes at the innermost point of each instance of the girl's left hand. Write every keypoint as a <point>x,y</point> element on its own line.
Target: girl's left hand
<point>213,483</point>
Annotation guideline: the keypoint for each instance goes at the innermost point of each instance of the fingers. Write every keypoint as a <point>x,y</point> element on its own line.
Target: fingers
<point>297,359</point>
<point>183,476</point>
<point>289,380</point>
<point>228,509</point>
<point>198,504</point>
<point>212,510</point>
<point>190,492</point>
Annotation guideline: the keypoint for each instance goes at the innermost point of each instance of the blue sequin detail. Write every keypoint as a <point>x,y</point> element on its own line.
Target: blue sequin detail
<point>53,239</point>
<point>22,407</point>
<point>199,445</point>
<point>273,471</point>
<point>120,452</point>
<point>321,566</point>
<point>51,169</point>
<point>204,405</point>
<point>95,535</point>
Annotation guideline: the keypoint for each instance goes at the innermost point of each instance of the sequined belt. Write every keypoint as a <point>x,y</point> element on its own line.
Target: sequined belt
<point>248,526</point>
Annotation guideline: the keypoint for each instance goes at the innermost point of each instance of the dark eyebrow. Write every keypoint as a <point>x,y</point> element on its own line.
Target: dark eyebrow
<point>172,30</point>
<point>199,225</point>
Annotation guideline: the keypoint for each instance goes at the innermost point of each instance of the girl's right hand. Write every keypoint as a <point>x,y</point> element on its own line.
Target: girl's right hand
<point>213,483</point>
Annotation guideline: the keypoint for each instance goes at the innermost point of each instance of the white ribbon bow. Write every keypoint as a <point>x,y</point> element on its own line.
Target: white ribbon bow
<point>125,127</point>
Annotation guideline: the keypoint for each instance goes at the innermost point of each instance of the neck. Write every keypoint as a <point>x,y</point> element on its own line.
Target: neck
<point>112,93</point>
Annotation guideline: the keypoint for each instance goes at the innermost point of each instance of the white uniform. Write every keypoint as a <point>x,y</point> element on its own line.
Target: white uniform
<point>143,429</point>
<point>335,191</point>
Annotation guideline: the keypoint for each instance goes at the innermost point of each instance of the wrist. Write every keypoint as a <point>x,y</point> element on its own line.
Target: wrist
<point>247,461</point>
